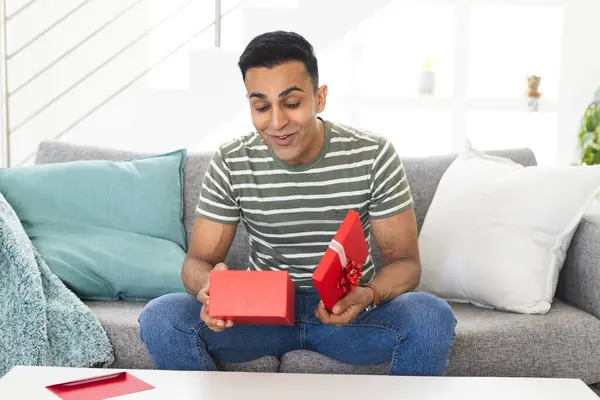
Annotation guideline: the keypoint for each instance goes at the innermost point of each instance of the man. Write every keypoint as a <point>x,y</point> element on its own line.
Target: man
<point>291,183</point>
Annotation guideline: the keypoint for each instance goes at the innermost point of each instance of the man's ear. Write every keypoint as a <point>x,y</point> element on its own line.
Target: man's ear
<point>321,98</point>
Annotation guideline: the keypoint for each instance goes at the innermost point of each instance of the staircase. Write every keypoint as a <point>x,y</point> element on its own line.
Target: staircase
<point>146,75</point>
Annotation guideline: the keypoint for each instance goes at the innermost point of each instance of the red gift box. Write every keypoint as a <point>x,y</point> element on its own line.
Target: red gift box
<point>252,297</point>
<point>340,267</point>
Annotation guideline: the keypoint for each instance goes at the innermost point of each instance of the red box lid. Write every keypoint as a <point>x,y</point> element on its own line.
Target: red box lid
<point>326,276</point>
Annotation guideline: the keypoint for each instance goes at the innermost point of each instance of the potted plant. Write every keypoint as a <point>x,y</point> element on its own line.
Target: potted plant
<point>427,80</point>
<point>589,133</point>
<point>533,94</point>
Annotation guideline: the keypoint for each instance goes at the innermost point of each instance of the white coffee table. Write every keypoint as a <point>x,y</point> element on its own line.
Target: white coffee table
<point>30,383</point>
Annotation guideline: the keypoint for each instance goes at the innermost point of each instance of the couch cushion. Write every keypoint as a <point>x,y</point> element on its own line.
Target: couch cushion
<point>497,233</point>
<point>563,343</point>
<point>120,320</point>
<point>425,173</point>
<point>309,362</point>
<point>53,151</point>
<point>73,212</point>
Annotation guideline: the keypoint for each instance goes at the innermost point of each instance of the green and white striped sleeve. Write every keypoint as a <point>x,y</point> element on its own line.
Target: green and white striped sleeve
<point>390,190</point>
<point>218,201</point>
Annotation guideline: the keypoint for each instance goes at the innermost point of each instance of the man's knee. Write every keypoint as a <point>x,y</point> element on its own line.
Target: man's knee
<point>429,316</point>
<point>179,311</point>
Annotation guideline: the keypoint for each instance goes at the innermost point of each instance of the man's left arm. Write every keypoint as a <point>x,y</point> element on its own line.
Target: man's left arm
<point>394,228</point>
<point>397,239</point>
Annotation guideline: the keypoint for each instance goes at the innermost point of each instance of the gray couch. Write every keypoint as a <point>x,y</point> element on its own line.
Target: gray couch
<point>563,343</point>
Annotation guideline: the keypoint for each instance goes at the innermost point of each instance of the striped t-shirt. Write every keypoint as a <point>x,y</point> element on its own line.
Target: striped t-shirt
<point>291,212</point>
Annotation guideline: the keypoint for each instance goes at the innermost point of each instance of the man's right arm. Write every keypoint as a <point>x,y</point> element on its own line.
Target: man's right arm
<point>217,217</point>
<point>209,243</point>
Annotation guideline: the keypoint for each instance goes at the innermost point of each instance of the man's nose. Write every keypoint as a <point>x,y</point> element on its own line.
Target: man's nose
<point>279,118</point>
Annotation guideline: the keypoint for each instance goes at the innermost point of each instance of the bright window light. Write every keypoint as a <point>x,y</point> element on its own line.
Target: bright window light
<point>488,130</point>
<point>507,43</point>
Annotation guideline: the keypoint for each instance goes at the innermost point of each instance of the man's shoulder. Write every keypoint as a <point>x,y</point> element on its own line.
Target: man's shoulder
<point>245,145</point>
<point>357,136</point>
<point>339,129</point>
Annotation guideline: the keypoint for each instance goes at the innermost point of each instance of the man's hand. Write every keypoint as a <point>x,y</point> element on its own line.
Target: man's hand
<point>347,308</point>
<point>217,325</point>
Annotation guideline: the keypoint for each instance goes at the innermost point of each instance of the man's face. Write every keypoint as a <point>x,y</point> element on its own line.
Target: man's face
<point>284,110</point>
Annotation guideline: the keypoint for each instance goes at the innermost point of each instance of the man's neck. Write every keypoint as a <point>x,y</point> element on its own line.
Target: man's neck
<point>316,144</point>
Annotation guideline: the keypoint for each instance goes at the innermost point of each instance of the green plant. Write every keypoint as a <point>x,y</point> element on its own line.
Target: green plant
<point>589,134</point>
<point>430,64</point>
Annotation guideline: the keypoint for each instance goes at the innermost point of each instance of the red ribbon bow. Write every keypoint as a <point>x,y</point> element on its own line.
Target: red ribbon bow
<point>350,276</point>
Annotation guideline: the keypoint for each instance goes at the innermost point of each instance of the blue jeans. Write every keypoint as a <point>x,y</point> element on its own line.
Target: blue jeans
<point>415,331</point>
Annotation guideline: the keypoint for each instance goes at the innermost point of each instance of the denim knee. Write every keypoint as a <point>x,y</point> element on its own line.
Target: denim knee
<point>180,311</point>
<point>427,327</point>
<point>431,317</point>
<point>169,328</point>
<point>440,319</point>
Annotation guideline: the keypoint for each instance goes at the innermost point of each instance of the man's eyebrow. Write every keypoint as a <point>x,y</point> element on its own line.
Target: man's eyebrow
<point>282,94</point>
<point>289,90</point>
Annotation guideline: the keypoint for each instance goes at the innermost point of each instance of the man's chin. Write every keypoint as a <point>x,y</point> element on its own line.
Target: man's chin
<point>289,157</point>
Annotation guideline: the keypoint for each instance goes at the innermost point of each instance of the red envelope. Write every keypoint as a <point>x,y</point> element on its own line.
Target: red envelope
<point>340,267</point>
<point>99,387</point>
<point>252,297</point>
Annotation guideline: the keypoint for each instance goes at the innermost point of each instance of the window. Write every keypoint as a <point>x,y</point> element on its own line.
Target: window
<point>488,130</point>
<point>413,132</point>
<point>478,54</point>
<point>507,43</point>
<point>174,73</point>
<point>384,55</point>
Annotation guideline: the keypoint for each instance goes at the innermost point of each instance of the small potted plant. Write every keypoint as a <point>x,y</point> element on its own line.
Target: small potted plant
<point>427,80</point>
<point>533,94</point>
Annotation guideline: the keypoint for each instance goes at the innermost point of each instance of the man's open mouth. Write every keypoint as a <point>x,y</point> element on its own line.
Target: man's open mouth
<point>284,140</point>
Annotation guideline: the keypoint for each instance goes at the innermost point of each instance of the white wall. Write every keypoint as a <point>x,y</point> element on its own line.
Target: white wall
<point>196,99</point>
<point>581,72</point>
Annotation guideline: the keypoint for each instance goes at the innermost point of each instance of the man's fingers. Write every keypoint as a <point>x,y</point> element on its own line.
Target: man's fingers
<point>342,319</point>
<point>220,267</point>
<point>203,294</point>
<point>350,299</point>
<point>204,314</point>
<point>215,324</point>
<point>322,313</point>
<point>215,327</point>
<point>202,297</point>
<point>345,317</point>
<point>219,325</point>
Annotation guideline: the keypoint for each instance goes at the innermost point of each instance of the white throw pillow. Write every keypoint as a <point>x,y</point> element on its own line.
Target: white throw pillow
<point>496,233</point>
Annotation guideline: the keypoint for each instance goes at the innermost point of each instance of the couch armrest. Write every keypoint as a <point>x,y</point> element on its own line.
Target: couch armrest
<point>579,281</point>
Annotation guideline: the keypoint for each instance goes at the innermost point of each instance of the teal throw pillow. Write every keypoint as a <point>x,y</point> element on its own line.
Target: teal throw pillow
<point>108,229</point>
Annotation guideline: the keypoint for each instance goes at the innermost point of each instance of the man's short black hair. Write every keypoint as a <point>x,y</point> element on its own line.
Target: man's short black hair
<point>271,49</point>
